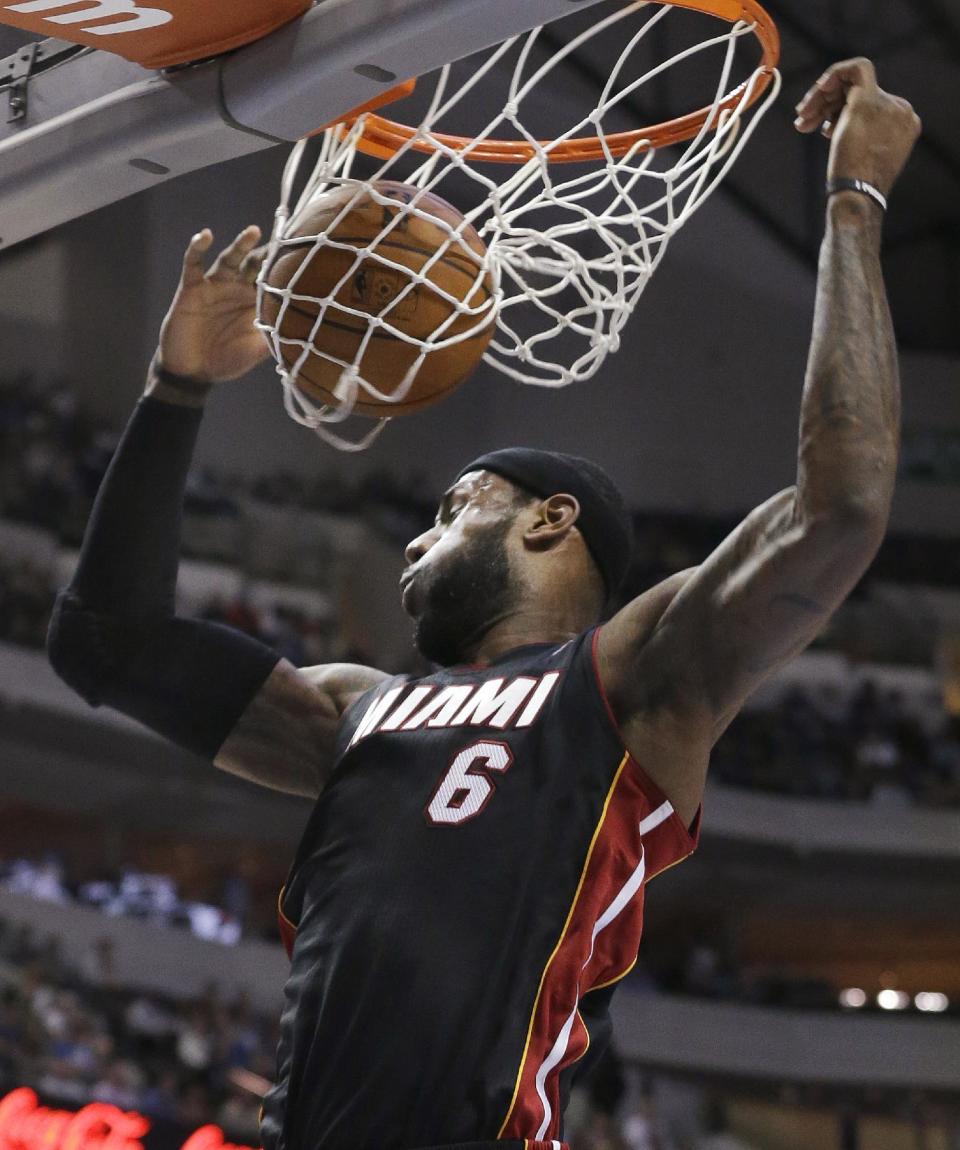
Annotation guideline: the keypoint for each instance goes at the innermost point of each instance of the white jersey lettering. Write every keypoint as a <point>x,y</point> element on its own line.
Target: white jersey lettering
<point>440,709</point>
<point>493,704</point>
<point>537,699</point>
<point>374,713</point>
<point>406,708</point>
<point>464,790</point>
<point>134,19</point>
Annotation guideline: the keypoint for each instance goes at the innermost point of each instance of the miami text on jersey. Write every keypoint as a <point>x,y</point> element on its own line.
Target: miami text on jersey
<point>500,703</point>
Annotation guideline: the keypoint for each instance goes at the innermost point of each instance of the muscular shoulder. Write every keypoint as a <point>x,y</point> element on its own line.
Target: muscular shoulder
<point>635,623</point>
<point>676,759</point>
<point>343,683</point>
<point>285,739</point>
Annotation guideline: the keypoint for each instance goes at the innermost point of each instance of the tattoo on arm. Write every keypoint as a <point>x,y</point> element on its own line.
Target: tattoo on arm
<point>849,428</point>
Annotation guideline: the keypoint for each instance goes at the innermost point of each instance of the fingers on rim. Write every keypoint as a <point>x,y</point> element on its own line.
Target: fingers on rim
<point>814,109</point>
<point>805,124</point>
<point>818,98</point>
<point>858,70</point>
<point>828,94</point>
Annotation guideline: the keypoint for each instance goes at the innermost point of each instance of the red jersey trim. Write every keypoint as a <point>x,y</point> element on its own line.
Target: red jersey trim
<point>617,977</point>
<point>689,836</point>
<point>533,1047</point>
<point>599,942</point>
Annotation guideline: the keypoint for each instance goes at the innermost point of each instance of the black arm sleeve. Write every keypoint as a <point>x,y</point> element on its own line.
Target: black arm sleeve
<point>114,636</point>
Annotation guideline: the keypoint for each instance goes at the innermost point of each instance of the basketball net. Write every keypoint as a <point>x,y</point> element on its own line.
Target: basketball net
<point>574,230</point>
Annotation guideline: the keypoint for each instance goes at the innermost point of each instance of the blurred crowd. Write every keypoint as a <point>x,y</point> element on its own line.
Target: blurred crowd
<point>52,457</point>
<point>26,598</point>
<point>131,893</point>
<point>305,639</point>
<point>866,747</point>
<point>28,589</point>
<point>72,1032</point>
<point>75,1035</point>
<point>711,967</point>
<point>869,746</point>
<point>616,1107</point>
<point>700,960</point>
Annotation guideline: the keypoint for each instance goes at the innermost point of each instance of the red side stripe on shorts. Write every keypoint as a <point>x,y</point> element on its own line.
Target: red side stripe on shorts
<point>584,957</point>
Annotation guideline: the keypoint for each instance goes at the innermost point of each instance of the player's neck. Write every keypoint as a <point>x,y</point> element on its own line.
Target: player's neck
<point>523,628</point>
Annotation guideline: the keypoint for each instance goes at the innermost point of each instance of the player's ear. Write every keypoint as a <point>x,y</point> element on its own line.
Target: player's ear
<point>552,521</point>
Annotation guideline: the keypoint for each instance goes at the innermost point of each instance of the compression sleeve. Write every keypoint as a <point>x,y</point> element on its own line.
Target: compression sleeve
<point>114,636</point>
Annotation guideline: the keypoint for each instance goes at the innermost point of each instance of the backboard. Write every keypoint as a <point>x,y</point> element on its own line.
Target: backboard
<point>94,128</point>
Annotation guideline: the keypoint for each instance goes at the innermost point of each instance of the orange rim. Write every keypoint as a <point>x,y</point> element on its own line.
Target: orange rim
<point>383,138</point>
<point>389,97</point>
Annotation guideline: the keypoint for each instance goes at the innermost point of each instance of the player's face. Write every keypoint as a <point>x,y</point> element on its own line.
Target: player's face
<point>458,579</point>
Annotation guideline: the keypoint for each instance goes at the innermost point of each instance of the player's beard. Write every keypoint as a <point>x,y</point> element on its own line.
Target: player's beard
<point>465,596</point>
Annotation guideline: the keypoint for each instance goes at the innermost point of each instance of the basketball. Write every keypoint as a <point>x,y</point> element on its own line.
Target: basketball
<point>371,286</point>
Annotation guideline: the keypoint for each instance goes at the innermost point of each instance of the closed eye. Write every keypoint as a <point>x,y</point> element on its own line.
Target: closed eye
<point>447,512</point>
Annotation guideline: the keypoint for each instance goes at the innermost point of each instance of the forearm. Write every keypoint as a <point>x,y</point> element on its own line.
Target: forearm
<point>114,636</point>
<point>129,557</point>
<point>850,414</point>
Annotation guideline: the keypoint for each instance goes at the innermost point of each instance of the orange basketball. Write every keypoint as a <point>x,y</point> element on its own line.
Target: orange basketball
<point>370,287</point>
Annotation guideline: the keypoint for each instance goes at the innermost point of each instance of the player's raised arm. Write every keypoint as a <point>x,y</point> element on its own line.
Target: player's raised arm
<point>771,586</point>
<point>114,636</point>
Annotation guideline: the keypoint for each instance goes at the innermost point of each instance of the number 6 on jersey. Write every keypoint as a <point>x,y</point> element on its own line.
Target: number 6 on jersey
<point>465,789</point>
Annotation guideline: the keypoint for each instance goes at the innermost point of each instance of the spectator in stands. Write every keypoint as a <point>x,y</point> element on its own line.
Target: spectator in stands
<point>59,1034</point>
<point>42,880</point>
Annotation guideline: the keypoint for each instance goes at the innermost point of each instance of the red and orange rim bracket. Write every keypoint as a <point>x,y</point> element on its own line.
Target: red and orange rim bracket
<point>383,138</point>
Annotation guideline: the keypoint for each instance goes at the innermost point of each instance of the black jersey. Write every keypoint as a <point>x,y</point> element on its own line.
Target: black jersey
<point>468,890</point>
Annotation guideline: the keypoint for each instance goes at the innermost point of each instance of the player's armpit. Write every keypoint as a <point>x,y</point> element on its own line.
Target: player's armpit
<point>757,601</point>
<point>285,738</point>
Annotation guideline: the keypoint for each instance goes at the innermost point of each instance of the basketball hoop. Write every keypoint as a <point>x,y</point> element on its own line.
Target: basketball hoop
<point>382,138</point>
<point>575,231</point>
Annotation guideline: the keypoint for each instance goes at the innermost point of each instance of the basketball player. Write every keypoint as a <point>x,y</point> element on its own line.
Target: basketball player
<point>469,888</point>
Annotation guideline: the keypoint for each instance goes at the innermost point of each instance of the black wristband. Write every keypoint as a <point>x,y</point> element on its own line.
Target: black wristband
<point>848,185</point>
<point>189,384</point>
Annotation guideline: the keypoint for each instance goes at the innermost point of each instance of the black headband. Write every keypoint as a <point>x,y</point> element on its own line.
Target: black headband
<point>603,523</point>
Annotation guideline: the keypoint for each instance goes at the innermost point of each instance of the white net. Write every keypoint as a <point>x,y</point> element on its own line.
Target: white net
<point>570,246</point>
